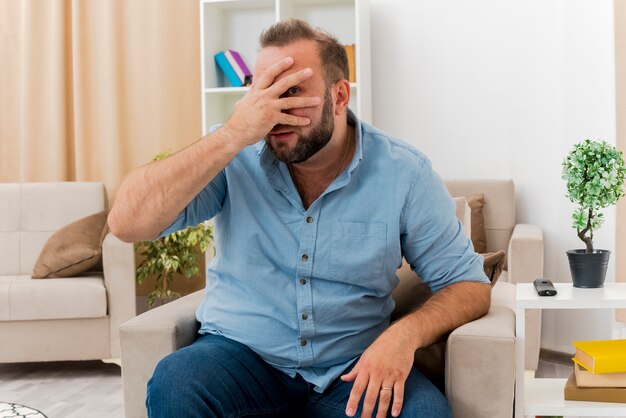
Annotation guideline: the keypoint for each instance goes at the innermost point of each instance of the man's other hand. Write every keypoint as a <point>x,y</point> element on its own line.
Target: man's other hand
<point>381,373</point>
<point>262,107</point>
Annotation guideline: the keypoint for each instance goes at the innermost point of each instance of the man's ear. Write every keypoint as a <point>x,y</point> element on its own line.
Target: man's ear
<point>342,96</point>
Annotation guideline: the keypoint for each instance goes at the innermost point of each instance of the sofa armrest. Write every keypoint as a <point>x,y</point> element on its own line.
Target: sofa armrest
<point>480,361</point>
<point>525,254</point>
<point>118,262</point>
<point>149,337</point>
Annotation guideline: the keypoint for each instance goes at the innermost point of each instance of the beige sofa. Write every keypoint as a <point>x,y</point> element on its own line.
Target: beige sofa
<point>479,356</point>
<point>73,318</point>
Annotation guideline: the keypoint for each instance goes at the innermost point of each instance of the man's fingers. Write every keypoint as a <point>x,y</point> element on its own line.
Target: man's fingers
<point>384,399</point>
<point>268,76</point>
<point>282,85</point>
<point>398,399</point>
<point>371,396</point>
<point>287,119</point>
<point>359,386</point>
<point>298,102</point>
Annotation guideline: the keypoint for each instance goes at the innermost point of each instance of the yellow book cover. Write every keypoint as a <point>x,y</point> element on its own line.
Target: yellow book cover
<point>601,356</point>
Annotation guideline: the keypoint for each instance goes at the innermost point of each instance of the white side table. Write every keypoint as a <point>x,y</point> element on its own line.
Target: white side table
<point>537,396</point>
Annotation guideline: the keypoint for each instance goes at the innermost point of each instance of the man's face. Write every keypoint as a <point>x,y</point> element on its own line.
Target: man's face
<point>293,144</point>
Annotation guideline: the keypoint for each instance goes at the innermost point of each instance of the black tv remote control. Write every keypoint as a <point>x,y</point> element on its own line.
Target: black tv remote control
<point>544,287</point>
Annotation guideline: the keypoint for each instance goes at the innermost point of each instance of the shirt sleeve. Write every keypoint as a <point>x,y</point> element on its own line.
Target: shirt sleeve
<point>204,205</point>
<point>433,239</point>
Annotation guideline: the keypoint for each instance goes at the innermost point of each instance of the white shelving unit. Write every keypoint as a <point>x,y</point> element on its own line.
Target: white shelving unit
<point>535,396</point>
<point>237,24</point>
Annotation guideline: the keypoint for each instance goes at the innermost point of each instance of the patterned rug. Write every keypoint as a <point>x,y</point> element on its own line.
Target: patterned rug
<point>13,410</point>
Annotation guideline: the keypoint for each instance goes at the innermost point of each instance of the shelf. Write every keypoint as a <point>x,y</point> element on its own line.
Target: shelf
<point>545,397</point>
<point>242,90</point>
<point>239,4</point>
<point>226,90</point>
<point>612,295</point>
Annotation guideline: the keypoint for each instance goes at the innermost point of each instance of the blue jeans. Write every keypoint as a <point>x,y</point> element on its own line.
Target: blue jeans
<point>218,377</point>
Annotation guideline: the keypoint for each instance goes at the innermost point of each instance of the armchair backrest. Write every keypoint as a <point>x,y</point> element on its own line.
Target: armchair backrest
<point>32,212</point>
<point>499,209</point>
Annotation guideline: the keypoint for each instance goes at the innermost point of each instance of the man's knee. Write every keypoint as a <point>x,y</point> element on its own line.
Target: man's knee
<point>422,399</point>
<point>171,389</point>
<point>162,385</point>
<point>428,405</point>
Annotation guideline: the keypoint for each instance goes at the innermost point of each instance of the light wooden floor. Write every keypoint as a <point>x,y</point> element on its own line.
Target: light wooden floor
<point>92,389</point>
<point>82,389</point>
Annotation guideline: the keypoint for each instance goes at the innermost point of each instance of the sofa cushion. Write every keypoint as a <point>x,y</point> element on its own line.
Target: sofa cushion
<point>9,252</point>
<point>499,209</point>
<point>479,237</point>
<point>73,249</point>
<point>23,298</point>
<point>493,264</point>
<point>463,213</point>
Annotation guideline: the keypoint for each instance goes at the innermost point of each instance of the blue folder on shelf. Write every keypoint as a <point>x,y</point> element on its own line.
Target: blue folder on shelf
<point>226,68</point>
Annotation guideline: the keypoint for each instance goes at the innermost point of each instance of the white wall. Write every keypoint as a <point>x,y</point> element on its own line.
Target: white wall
<point>503,89</point>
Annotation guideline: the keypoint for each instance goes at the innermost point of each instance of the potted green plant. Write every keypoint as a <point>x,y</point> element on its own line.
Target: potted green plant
<point>594,171</point>
<point>170,256</point>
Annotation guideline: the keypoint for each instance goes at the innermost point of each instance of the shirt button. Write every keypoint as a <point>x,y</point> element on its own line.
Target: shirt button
<point>302,343</point>
<point>302,282</point>
<point>305,316</point>
<point>305,257</point>
<point>309,219</point>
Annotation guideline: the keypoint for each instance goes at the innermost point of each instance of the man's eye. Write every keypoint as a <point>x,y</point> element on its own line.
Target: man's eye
<point>291,91</point>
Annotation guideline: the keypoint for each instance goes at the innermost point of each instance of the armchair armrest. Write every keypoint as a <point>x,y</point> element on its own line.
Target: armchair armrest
<point>149,337</point>
<point>526,265</point>
<point>118,262</point>
<point>525,254</point>
<point>480,360</point>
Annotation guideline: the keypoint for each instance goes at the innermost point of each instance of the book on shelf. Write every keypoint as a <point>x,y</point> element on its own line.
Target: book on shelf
<point>585,378</point>
<point>351,62</point>
<point>239,66</point>
<point>573,392</point>
<point>227,69</point>
<point>601,356</point>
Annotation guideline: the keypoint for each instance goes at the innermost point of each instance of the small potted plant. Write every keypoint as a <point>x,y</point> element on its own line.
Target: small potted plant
<point>594,171</point>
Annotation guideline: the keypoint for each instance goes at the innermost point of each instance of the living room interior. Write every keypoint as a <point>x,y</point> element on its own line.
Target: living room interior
<point>495,92</point>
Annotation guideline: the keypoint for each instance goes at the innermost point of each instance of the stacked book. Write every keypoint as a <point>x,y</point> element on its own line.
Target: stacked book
<point>350,52</point>
<point>599,372</point>
<point>234,68</point>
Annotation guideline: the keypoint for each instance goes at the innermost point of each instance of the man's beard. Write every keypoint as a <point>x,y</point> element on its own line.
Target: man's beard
<point>308,145</point>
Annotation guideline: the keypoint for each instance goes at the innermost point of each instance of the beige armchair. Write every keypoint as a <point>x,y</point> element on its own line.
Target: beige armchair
<point>479,356</point>
<point>73,318</point>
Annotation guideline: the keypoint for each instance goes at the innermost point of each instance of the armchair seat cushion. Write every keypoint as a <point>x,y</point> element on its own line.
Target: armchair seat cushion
<point>23,298</point>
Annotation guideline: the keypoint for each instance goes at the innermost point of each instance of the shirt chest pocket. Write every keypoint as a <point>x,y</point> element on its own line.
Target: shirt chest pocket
<point>358,251</point>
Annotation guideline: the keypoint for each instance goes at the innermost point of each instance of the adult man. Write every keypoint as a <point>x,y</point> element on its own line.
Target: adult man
<point>311,224</point>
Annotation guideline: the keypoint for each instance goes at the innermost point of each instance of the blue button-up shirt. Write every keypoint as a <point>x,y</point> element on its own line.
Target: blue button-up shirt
<point>310,289</point>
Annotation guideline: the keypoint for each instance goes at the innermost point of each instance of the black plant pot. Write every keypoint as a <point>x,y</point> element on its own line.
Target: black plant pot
<point>588,270</point>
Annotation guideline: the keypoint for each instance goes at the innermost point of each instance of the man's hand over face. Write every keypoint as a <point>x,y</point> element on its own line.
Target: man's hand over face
<point>380,374</point>
<point>262,107</point>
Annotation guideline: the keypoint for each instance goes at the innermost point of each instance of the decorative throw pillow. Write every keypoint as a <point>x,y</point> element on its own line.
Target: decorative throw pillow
<point>479,237</point>
<point>73,249</point>
<point>493,264</point>
<point>463,213</point>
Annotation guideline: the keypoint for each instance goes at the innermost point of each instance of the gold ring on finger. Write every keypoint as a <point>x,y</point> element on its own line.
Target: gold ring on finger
<point>386,388</point>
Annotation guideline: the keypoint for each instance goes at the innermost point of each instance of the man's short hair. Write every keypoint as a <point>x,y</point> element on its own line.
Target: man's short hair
<point>331,52</point>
